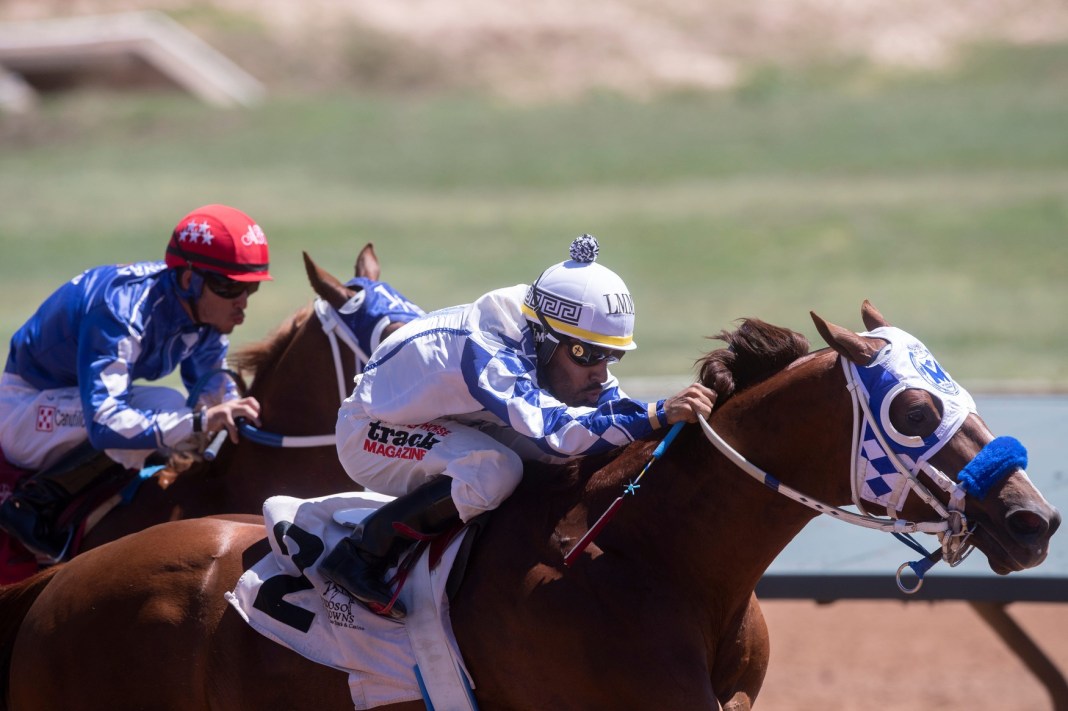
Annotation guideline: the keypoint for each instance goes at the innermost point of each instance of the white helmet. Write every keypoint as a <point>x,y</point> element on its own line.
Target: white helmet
<point>583,300</point>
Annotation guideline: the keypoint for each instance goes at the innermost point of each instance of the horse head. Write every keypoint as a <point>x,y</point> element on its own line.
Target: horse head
<point>368,310</point>
<point>920,423</point>
<point>328,287</point>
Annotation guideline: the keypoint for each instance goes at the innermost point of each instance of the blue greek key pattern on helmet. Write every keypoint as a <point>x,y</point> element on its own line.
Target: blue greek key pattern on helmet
<point>552,306</point>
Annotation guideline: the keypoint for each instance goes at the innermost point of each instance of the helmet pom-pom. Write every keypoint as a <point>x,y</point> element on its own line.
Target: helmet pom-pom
<point>584,248</point>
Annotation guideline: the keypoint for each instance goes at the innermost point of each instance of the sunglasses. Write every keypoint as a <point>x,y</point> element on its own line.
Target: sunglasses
<point>227,288</point>
<point>587,356</point>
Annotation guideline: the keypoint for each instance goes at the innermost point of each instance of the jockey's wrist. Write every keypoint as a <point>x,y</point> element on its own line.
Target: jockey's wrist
<point>657,414</point>
<point>200,420</point>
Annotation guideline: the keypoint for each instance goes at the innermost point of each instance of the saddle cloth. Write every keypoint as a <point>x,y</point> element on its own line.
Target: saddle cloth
<point>284,597</point>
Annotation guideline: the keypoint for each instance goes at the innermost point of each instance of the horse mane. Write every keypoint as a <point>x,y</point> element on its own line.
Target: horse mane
<point>755,351</point>
<point>262,355</point>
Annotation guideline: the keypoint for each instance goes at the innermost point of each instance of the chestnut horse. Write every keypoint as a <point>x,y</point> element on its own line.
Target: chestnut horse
<point>659,612</point>
<point>298,382</point>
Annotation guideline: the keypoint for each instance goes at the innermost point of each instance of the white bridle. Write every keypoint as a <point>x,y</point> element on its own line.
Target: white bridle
<point>335,328</point>
<point>952,530</point>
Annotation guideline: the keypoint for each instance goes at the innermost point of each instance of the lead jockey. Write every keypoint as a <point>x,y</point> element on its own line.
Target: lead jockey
<point>67,392</point>
<point>472,391</point>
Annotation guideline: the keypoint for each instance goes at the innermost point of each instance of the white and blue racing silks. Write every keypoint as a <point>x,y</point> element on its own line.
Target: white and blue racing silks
<point>108,327</point>
<point>478,362</point>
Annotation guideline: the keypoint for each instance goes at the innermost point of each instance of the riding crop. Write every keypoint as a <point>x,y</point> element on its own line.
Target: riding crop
<point>631,488</point>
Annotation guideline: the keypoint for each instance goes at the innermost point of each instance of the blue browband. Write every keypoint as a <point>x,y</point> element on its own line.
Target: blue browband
<point>993,462</point>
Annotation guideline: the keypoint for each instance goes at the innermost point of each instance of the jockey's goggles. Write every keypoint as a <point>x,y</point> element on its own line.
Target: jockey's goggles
<point>587,355</point>
<point>227,288</point>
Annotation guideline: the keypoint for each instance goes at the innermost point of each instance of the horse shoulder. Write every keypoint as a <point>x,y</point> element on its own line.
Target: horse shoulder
<point>741,658</point>
<point>522,617</point>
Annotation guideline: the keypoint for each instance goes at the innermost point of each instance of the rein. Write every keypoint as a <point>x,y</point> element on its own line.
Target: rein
<point>335,329</point>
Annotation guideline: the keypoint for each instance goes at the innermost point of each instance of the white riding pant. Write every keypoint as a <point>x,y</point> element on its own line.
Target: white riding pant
<point>394,459</point>
<point>39,427</point>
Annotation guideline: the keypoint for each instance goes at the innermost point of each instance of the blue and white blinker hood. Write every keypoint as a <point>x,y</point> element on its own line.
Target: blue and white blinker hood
<point>886,462</point>
<point>376,305</point>
<point>904,363</point>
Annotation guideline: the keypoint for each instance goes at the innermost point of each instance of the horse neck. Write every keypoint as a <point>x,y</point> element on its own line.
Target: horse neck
<point>714,525</point>
<point>299,391</point>
<point>298,395</point>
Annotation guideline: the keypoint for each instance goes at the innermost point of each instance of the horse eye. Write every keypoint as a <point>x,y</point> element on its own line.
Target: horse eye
<point>916,415</point>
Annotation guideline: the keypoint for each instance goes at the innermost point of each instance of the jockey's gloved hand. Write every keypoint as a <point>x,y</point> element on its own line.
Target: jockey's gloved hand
<point>692,402</point>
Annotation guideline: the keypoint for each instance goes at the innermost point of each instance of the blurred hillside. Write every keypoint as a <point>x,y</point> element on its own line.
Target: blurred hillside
<point>558,48</point>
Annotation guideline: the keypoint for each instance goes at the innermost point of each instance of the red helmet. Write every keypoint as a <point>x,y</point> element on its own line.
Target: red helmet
<point>220,239</point>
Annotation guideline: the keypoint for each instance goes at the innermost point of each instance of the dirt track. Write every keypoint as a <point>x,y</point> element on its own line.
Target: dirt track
<point>895,656</point>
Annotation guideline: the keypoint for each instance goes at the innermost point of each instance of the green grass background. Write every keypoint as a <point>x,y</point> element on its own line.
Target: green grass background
<point>942,198</point>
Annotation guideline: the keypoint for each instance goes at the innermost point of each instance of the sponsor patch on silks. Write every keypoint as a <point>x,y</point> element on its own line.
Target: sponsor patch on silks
<point>285,598</point>
<point>408,442</point>
<point>50,417</point>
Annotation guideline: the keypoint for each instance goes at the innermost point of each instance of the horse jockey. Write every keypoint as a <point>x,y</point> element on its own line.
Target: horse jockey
<point>67,390</point>
<point>520,374</point>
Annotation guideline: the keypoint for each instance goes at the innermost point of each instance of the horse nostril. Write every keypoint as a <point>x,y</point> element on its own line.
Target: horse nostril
<point>1027,525</point>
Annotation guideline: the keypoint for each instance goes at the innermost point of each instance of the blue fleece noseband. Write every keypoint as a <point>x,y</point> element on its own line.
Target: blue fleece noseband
<point>993,462</point>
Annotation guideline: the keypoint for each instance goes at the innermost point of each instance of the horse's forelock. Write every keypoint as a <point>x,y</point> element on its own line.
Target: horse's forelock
<point>755,351</point>
<point>260,355</point>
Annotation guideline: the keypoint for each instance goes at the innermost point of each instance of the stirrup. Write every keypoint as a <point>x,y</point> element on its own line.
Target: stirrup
<point>347,567</point>
<point>393,610</point>
<point>47,551</point>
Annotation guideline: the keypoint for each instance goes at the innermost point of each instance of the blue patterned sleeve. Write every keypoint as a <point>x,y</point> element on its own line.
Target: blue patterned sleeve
<point>106,349</point>
<point>204,363</point>
<point>503,382</point>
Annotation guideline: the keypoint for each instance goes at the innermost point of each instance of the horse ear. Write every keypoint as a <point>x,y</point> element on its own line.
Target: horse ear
<point>367,263</point>
<point>326,284</point>
<point>848,344</point>
<point>872,318</point>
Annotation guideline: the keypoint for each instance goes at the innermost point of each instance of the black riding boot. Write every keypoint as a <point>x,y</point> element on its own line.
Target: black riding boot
<point>359,563</point>
<point>30,513</point>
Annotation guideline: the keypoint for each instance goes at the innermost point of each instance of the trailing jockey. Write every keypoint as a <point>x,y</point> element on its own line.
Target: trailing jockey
<point>69,406</point>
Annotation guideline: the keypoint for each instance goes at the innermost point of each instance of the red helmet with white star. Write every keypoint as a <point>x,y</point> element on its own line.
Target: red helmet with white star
<point>220,239</point>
